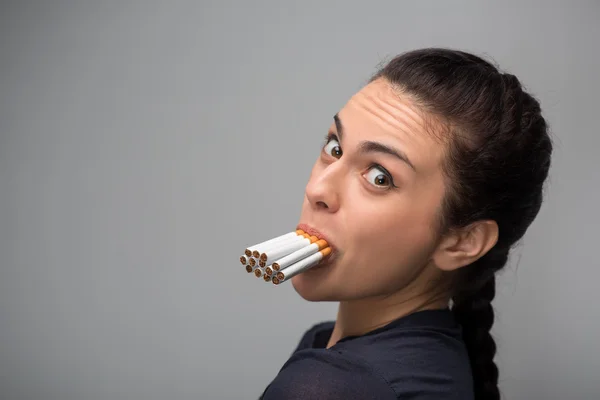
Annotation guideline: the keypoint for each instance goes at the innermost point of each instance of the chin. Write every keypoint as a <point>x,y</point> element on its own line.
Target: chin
<point>312,289</point>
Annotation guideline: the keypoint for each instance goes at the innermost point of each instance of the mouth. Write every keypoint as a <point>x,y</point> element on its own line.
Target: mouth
<point>314,232</point>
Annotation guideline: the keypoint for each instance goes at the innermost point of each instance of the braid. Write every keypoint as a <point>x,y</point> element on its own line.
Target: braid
<point>474,312</point>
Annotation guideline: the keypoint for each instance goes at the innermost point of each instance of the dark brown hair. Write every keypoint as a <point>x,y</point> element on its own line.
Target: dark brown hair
<point>496,164</point>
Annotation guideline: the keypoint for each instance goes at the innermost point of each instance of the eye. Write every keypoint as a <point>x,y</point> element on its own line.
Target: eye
<point>379,177</point>
<point>332,148</point>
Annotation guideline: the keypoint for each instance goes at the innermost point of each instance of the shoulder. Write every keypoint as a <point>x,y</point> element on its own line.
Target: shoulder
<point>418,363</point>
<point>424,362</point>
<point>327,374</point>
<point>308,338</point>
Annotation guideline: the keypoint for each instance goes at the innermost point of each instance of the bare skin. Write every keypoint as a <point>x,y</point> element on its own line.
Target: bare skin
<point>380,211</point>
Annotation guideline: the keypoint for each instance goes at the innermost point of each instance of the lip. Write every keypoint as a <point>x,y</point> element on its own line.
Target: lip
<point>314,232</point>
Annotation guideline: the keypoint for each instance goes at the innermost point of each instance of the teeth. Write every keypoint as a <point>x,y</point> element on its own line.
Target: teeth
<point>280,259</point>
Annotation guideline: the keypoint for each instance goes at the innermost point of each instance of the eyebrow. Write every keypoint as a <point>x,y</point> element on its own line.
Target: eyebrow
<point>374,147</point>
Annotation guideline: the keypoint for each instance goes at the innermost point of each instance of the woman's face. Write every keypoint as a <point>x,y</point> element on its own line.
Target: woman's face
<point>374,192</point>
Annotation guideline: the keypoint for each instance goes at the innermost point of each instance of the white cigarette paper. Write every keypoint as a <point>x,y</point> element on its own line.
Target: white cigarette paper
<point>287,248</point>
<point>299,255</point>
<point>281,243</point>
<point>282,237</point>
<point>303,265</point>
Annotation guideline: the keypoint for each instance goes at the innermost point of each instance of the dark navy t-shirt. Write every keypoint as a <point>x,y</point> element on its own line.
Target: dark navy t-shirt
<point>420,356</point>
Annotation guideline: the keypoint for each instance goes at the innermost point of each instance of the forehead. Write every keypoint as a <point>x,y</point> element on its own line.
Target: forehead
<point>380,112</point>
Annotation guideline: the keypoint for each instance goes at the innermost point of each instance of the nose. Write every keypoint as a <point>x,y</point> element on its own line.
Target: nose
<point>322,190</point>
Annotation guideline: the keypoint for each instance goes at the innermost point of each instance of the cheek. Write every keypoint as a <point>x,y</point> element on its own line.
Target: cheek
<point>389,243</point>
<point>392,235</point>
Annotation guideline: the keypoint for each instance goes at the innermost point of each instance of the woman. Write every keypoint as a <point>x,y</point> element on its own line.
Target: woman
<point>429,174</point>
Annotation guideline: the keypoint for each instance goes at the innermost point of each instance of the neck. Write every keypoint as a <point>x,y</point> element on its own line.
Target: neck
<point>358,317</point>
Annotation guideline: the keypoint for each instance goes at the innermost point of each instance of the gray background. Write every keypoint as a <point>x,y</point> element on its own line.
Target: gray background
<point>143,145</point>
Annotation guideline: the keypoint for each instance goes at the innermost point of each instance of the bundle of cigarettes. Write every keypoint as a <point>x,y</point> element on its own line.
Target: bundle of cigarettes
<point>283,257</point>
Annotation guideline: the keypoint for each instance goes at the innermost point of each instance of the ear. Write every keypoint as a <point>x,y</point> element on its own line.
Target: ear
<point>466,245</point>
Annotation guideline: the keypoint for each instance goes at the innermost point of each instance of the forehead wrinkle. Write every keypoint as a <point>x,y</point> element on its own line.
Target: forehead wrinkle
<point>398,114</point>
<point>390,112</point>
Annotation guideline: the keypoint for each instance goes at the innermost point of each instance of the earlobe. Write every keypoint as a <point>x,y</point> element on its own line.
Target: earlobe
<point>466,245</point>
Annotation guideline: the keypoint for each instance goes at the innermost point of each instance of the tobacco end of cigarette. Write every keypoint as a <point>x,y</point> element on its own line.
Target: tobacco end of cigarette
<point>252,262</point>
<point>275,266</point>
<point>275,281</point>
<point>267,278</point>
<point>255,254</point>
<point>263,257</point>
<point>261,263</point>
<point>248,253</point>
<point>326,251</point>
<point>258,273</point>
<point>248,268</point>
<point>280,276</point>
<point>243,260</point>
<point>268,271</point>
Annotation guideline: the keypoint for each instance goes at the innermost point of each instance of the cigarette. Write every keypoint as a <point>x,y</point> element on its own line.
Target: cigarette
<point>270,247</point>
<point>244,259</point>
<point>249,250</point>
<point>301,266</point>
<point>279,259</point>
<point>299,255</point>
<point>288,248</point>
